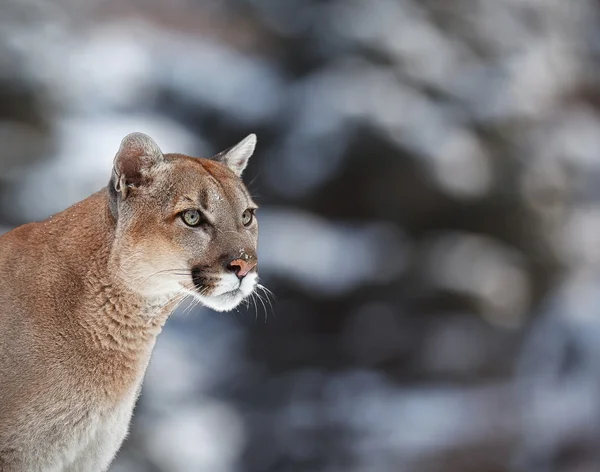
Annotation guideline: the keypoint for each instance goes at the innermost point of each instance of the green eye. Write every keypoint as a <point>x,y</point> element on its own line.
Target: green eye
<point>247,217</point>
<point>191,218</point>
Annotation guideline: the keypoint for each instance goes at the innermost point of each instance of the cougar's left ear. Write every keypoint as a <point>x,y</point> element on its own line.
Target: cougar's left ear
<point>137,154</point>
<point>236,157</point>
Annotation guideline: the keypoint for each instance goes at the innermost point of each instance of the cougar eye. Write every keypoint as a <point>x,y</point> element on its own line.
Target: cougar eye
<point>191,218</point>
<point>247,217</point>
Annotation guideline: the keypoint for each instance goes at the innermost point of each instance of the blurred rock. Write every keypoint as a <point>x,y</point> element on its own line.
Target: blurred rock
<point>327,258</point>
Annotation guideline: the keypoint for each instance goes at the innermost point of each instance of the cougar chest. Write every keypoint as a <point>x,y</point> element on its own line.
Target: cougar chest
<point>103,436</point>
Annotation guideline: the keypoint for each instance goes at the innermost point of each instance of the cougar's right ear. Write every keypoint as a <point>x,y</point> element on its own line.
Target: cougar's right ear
<point>137,154</point>
<point>236,157</point>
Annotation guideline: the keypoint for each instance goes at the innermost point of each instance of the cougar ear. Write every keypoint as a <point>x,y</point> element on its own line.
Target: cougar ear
<point>138,152</point>
<point>236,157</point>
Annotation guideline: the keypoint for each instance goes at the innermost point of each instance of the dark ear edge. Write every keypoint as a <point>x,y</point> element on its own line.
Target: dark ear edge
<point>113,196</point>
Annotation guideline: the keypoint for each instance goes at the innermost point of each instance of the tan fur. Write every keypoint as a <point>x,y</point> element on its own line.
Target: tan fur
<point>85,293</point>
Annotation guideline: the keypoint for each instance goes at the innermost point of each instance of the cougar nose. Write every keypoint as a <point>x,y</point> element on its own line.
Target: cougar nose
<point>241,267</point>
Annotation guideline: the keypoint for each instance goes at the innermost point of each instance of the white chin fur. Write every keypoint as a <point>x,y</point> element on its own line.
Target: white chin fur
<point>229,292</point>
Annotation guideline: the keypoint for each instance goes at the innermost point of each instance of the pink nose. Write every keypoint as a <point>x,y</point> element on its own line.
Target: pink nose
<point>241,267</point>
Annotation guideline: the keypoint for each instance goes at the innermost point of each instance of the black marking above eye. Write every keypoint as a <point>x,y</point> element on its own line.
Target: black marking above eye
<point>192,218</point>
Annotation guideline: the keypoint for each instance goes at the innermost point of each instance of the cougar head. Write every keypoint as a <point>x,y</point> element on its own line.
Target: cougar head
<point>184,224</point>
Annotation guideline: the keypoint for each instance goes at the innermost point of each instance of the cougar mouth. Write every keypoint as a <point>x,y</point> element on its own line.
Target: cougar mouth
<point>203,283</point>
<point>224,292</point>
<point>222,302</point>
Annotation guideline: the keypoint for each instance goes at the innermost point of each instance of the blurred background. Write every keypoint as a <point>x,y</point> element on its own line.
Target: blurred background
<point>428,175</point>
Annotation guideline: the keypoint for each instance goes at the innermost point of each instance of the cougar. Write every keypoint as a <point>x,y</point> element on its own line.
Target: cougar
<point>84,294</point>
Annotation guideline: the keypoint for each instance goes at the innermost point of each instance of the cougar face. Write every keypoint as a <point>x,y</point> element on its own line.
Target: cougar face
<point>185,225</point>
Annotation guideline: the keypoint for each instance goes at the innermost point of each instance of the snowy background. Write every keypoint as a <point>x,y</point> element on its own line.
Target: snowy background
<point>429,180</point>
